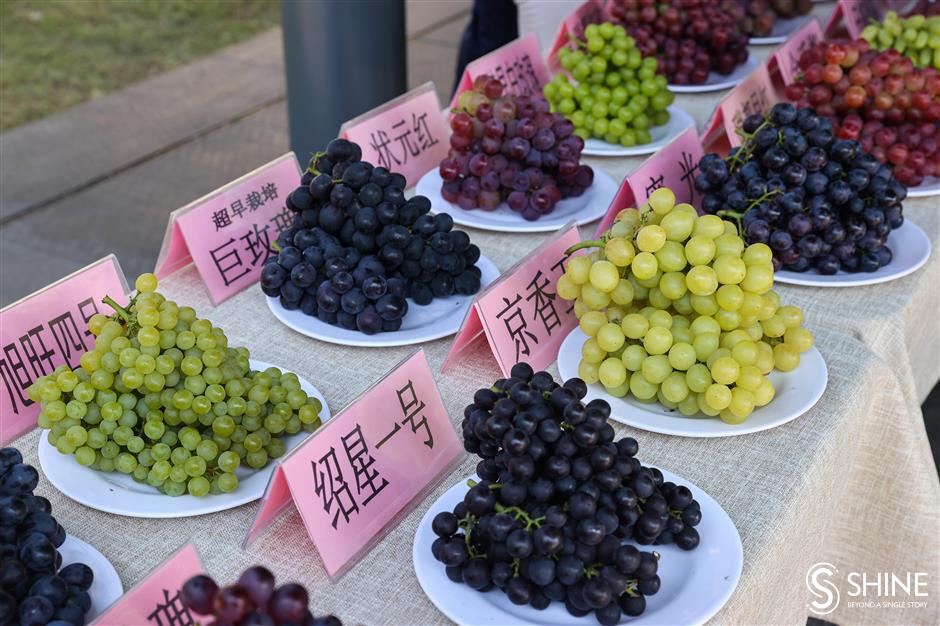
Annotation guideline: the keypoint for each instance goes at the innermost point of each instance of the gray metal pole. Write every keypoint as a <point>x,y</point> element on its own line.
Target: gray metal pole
<point>342,57</point>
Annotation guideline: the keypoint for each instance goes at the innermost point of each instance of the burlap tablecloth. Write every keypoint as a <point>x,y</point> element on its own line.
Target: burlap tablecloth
<point>851,482</point>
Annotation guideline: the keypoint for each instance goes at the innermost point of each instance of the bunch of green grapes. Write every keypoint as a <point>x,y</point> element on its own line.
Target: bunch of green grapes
<point>616,94</point>
<point>163,398</point>
<point>678,310</point>
<point>917,37</point>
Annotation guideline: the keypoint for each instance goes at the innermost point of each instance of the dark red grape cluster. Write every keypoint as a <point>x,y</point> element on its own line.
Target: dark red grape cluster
<point>819,202</point>
<point>357,248</point>
<point>756,18</point>
<point>879,98</point>
<point>34,590</point>
<point>252,601</point>
<point>556,500</point>
<point>690,38</point>
<point>511,148</point>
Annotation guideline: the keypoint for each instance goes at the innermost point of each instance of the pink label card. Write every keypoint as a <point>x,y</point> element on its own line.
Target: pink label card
<point>155,601</point>
<point>787,57</point>
<point>675,167</point>
<point>363,469</point>
<point>755,94</point>
<point>228,233</point>
<point>518,64</point>
<point>590,12</point>
<point>408,134</point>
<point>520,314</point>
<point>854,15</point>
<point>49,328</point>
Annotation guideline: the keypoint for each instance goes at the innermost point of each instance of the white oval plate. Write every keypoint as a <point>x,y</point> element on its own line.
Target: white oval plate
<point>717,82</point>
<point>695,584</point>
<point>909,244</point>
<point>441,318</point>
<point>782,29</point>
<point>796,393</point>
<point>930,187</point>
<point>584,209</point>
<point>679,120</point>
<point>106,588</point>
<point>113,492</point>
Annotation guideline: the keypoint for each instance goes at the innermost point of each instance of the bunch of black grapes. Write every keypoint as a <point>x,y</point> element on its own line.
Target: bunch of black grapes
<point>357,250</point>
<point>556,502</point>
<point>33,588</point>
<point>818,201</point>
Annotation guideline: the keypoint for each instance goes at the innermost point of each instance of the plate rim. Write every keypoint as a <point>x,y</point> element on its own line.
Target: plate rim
<point>715,509</point>
<point>538,226</point>
<point>733,430</point>
<point>369,342</point>
<point>647,148</point>
<point>111,573</point>
<point>44,448</point>
<point>864,279</point>
<point>750,65</point>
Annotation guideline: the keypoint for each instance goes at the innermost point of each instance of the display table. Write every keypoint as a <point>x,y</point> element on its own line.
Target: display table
<point>852,482</point>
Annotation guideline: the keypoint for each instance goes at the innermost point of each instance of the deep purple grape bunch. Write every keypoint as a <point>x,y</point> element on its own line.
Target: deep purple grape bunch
<point>34,587</point>
<point>557,501</point>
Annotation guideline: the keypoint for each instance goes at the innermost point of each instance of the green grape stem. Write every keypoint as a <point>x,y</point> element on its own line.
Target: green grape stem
<point>588,243</point>
<point>520,515</point>
<point>312,168</point>
<point>118,309</point>
<point>745,148</point>
<point>472,483</point>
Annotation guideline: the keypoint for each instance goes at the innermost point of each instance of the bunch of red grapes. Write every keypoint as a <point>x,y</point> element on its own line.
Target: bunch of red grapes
<point>690,38</point>
<point>253,601</point>
<point>878,98</point>
<point>511,148</point>
<point>756,18</point>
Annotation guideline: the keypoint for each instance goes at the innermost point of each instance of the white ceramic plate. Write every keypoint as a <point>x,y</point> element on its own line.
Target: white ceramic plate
<point>717,82</point>
<point>586,208</point>
<point>106,588</point>
<point>796,393</point>
<point>930,187</point>
<point>120,494</point>
<point>441,318</point>
<point>782,29</point>
<point>695,584</point>
<point>909,244</point>
<point>679,120</point>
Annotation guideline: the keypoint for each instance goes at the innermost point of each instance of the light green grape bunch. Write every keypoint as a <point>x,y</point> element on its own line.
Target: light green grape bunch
<point>917,37</point>
<point>616,94</point>
<point>163,398</point>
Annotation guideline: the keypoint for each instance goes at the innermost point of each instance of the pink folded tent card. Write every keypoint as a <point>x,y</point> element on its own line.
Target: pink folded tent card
<point>408,135</point>
<point>855,16</point>
<point>155,601</point>
<point>357,475</point>
<point>49,328</point>
<point>755,94</point>
<point>675,167</point>
<point>229,233</point>
<point>518,64</point>
<point>786,59</point>
<point>521,316</point>
<point>572,27</point>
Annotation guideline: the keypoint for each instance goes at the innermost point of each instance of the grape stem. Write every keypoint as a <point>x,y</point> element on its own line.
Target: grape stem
<point>520,515</point>
<point>312,168</point>
<point>588,243</point>
<point>121,311</point>
<point>472,483</point>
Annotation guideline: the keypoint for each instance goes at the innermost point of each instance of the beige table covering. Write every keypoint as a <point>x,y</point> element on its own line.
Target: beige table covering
<point>851,482</point>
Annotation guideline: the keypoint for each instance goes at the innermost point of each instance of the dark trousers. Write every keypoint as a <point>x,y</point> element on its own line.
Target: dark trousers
<point>493,23</point>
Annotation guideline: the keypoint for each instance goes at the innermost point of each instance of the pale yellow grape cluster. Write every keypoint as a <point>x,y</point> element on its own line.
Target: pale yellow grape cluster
<point>677,309</point>
<point>163,398</point>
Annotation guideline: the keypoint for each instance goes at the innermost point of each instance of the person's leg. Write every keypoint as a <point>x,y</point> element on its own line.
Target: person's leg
<point>493,23</point>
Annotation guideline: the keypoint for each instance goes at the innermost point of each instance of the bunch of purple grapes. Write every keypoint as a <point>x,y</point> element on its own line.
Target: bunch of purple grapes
<point>557,499</point>
<point>820,202</point>
<point>514,149</point>
<point>34,587</point>
<point>252,601</point>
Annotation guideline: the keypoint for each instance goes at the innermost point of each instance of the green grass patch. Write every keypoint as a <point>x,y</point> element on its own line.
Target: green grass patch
<point>55,54</point>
